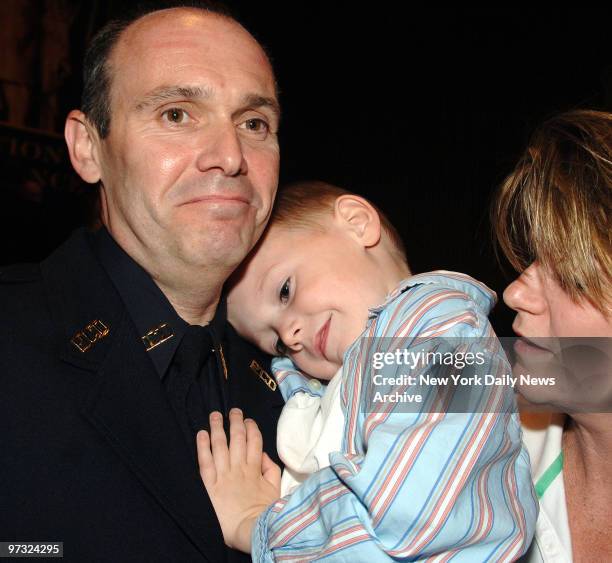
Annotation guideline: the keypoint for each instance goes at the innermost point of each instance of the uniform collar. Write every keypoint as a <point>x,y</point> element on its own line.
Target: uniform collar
<point>154,317</point>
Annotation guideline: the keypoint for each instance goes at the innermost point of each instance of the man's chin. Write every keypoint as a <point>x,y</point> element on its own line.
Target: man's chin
<point>225,209</point>
<point>219,245</point>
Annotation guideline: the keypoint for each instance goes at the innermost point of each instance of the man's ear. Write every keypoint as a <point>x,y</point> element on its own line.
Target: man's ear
<point>360,218</point>
<point>81,139</point>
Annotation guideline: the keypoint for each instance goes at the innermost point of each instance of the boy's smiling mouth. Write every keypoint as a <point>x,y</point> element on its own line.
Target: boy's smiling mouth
<point>321,338</point>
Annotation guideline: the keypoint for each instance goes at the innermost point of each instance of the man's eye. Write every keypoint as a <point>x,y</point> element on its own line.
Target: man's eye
<point>256,125</point>
<point>281,348</point>
<point>175,115</point>
<point>285,291</point>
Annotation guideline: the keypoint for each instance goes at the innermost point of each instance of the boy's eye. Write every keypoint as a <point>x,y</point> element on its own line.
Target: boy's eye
<point>280,348</point>
<point>285,291</point>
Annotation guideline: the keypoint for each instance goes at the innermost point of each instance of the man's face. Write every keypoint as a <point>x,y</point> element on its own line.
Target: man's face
<point>190,166</point>
<point>311,290</point>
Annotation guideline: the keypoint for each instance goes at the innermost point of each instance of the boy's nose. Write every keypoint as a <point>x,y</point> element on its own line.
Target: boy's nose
<point>291,335</point>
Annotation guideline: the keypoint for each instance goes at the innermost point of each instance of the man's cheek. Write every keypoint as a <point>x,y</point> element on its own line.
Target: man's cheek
<point>264,165</point>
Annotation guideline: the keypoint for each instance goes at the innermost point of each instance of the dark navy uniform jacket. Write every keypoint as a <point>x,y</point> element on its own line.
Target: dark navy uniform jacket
<point>91,451</point>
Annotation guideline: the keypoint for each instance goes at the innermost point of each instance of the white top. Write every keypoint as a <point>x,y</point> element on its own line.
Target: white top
<point>309,429</point>
<point>542,436</point>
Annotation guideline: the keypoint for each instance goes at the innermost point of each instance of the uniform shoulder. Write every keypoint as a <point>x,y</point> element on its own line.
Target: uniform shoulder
<point>19,273</point>
<point>20,293</point>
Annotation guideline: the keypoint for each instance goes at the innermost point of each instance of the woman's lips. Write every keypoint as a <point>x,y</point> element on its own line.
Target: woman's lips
<point>532,346</point>
<point>321,338</point>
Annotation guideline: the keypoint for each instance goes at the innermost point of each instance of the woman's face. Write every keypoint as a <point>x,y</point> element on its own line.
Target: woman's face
<point>544,309</point>
<point>553,327</point>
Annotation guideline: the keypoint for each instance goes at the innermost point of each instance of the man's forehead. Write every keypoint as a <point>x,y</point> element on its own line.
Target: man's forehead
<point>161,21</point>
<point>174,37</point>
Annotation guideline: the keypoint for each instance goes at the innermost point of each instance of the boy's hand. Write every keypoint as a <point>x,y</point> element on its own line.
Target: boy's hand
<point>242,481</point>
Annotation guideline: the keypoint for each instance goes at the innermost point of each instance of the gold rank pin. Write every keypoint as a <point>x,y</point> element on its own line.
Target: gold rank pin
<point>263,375</point>
<point>92,333</point>
<point>223,363</point>
<point>157,336</point>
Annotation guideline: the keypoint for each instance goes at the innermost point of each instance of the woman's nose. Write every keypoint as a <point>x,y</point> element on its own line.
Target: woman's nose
<point>512,295</point>
<point>525,293</point>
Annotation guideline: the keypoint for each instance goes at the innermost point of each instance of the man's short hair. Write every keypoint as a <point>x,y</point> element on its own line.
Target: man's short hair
<point>303,205</point>
<point>556,205</point>
<point>97,76</point>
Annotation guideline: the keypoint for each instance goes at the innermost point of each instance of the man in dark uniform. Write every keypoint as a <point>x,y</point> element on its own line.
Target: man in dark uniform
<point>115,349</point>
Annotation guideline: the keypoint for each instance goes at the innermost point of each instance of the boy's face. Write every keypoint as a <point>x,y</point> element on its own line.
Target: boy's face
<point>311,291</point>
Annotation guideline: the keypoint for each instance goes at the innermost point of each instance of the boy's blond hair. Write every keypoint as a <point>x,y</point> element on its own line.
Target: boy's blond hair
<point>556,205</point>
<point>303,205</point>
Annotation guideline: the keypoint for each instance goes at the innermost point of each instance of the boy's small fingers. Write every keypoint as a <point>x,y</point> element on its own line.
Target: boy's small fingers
<point>254,443</point>
<point>208,472</point>
<point>218,441</point>
<point>237,437</point>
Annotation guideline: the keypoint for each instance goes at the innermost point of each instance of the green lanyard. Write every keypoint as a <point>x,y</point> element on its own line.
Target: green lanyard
<point>549,476</point>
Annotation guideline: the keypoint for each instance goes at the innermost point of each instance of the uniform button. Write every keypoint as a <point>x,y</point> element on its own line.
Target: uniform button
<point>314,384</point>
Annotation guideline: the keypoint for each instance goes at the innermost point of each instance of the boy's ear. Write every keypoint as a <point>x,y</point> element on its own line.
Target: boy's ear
<point>82,141</point>
<point>358,216</point>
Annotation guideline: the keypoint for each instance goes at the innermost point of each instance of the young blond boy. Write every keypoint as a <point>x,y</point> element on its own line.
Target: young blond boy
<point>328,284</point>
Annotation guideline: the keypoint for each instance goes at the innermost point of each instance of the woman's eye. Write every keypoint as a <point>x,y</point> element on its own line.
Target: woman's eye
<point>176,115</point>
<point>285,291</point>
<point>280,347</point>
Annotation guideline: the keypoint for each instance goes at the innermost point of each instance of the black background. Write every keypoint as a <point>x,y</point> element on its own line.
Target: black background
<point>422,109</point>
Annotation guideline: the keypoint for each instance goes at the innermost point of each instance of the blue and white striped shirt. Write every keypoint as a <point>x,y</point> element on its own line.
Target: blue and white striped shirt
<point>429,484</point>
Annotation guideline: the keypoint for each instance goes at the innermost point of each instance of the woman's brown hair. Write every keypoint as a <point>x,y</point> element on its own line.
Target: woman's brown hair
<point>555,206</point>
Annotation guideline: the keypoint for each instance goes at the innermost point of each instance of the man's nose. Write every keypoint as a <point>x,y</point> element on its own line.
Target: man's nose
<point>222,150</point>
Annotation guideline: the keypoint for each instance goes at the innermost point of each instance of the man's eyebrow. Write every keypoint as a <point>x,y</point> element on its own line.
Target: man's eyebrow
<point>165,93</point>
<point>257,101</point>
